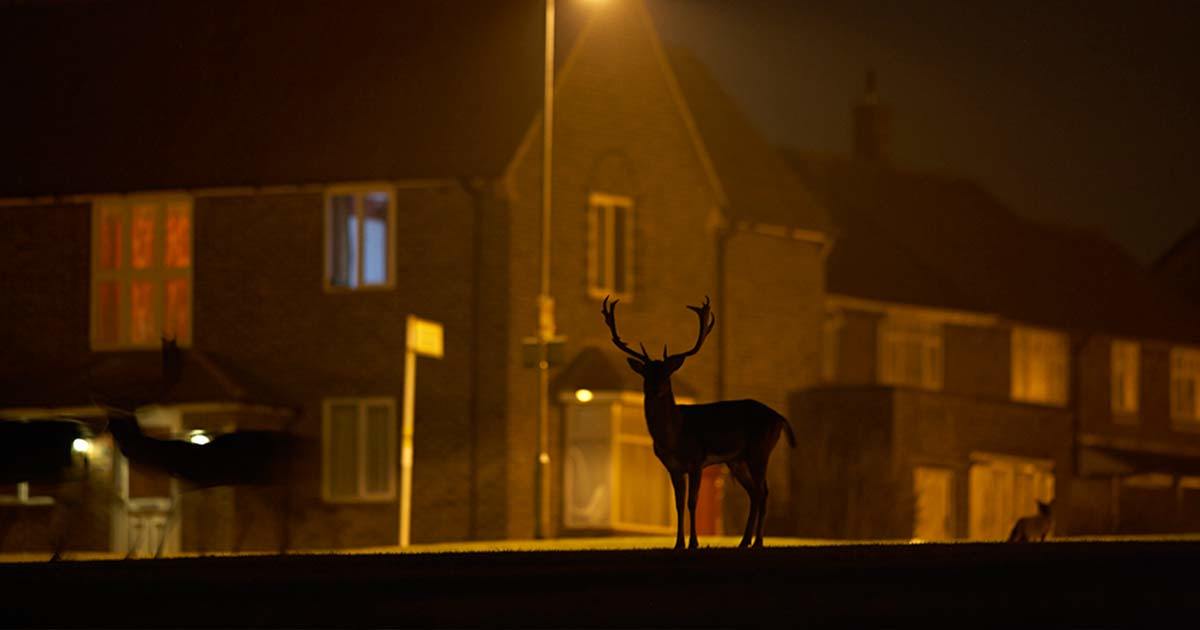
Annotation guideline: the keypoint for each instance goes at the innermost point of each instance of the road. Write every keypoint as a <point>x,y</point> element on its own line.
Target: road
<point>1068,584</point>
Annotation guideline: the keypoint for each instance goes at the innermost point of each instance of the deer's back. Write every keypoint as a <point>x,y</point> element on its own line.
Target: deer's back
<point>739,416</point>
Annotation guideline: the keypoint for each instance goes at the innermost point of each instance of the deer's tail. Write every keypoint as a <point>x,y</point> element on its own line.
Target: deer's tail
<point>787,428</point>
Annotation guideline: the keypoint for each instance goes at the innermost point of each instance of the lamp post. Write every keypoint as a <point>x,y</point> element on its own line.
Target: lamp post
<point>545,329</point>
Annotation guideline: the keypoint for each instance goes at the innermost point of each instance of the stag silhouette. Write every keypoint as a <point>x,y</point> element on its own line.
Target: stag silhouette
<point>687,438</point>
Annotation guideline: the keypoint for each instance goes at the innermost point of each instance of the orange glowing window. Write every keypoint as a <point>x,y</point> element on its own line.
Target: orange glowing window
<point>610,245</point>
<point>141,272</point>
<point>108,312</point>
<point>176,319</point>
<point>142,236</point>
<point>109,230</point>
<point>141,312</point>
<point>179,235</point>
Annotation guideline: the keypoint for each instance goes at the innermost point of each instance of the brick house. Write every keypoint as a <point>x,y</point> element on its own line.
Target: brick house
<point>976,361</point>
<point>281,187</point>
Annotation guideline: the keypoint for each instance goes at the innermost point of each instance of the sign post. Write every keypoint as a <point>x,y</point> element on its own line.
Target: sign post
<point>424,337</point>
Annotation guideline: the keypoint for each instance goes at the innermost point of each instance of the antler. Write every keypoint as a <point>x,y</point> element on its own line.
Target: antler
<point>707,321</point>
<point>610,318</point>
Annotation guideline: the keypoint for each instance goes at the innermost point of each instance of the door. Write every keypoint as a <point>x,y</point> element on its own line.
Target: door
<point>1003,489</point>
<point>933,489</point>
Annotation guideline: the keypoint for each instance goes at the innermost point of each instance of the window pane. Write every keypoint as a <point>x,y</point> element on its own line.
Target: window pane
<point>604,239</point>
<point>110,238</point>
<point>343,245</point>
<point>108,313</point>
<point>176,319</point>
<point>379,437</point>
<point>179,235</point>
<point>343,451</point>
<point>141,312</point>
<point>375,238</point>
<point>620,217</point>
<point>142,236</point>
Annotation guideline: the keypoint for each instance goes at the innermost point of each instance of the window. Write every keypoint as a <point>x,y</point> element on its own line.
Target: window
<point>1125,378</point>
<point>1185,384</point>
<point>910,352</point>
<point>359,237</point>
<point>359,453</point>
<point>934,491</point>
<point>1003,489</point>
<point>141,271</point>
<point>611,477</point>
<point>1039,366</point>
<point>610,245</point>
<point>831,332</point>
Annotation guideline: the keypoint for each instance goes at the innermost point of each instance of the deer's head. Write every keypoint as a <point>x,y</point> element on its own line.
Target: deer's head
<point>656,373</point>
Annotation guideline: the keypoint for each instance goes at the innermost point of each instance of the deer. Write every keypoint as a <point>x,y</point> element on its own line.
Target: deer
<point>240,458</point>
<point>687,438</point>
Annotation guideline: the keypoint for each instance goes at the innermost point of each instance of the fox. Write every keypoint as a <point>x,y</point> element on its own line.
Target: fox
<point>1036,527</point>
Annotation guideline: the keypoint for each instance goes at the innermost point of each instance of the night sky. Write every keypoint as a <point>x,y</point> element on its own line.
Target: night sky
<point>1075,113</point>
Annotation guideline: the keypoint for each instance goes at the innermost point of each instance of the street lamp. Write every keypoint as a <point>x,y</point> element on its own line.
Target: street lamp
<point>545,329</point>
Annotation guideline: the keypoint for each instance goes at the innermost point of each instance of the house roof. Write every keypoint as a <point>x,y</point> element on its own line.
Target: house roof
<point>1179,267</point>
<point>123,96</point>
<point>931,240</point>
<point>757,182</point>
<point>127,380</point>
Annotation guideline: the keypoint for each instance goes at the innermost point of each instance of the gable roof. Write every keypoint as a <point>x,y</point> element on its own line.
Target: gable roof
<point>124,96</point>
<point>937,241</point>
<point>1179,267</point>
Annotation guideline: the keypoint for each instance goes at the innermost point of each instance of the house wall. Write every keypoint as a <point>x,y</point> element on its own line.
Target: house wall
<point>260,305</point>
<point>618,129</point>
<point>773,307</point>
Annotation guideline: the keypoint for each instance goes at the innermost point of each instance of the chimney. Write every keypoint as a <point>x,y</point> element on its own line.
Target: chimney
<point>870,124</point>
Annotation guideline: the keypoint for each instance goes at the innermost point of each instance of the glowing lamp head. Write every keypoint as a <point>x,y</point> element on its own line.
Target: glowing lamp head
<point>199,438</point>
<point>83,446</point>
<point>584,395</point>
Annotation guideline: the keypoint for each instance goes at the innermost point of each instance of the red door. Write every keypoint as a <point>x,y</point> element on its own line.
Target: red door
<point>712,496</point>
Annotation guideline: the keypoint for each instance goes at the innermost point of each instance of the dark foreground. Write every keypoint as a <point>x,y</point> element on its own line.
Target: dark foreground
<point>1061,584</point>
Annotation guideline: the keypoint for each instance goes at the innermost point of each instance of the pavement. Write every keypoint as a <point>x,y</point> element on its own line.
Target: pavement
<point>1094,583</point>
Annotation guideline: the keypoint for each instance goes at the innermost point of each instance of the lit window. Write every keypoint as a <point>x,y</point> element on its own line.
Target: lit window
<point>1125,377</point>
<point>611,477</point>
<point>1185,384</point>
<point>933,488</point>
<point>141,271</point>
<point>1004,489</point>
<point>1039,366</point>
<point>359,452</point>
<point>910,352</point>
<point>359,237</point>
<point>831,333</point>
<point>610,245</point>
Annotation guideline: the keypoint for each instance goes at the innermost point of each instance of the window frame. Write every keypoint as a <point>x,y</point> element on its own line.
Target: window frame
<point>358,190</point>
<point>361,403</point>
<point>157,273</point>
<point>1125,368</point>
<point>929,335</point>
<point>1177,358</point>
<point>602,203</point>
<point>1019,356</point>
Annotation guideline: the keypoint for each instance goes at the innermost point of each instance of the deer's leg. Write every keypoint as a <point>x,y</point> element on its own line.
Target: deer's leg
<point>741,472</point>
<point>693,497</point>
<point>677,483</point>
<point>762,510</point>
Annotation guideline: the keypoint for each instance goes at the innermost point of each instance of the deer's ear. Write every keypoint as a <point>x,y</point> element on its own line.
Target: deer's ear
<point>636,365</point>
<point>674,363</point>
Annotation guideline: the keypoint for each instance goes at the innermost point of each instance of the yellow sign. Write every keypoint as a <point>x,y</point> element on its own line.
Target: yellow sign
<point>424,337</point>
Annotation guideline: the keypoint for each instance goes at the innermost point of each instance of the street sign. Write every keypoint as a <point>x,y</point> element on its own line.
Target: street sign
<point>424,337</point>
<point>555,351</point>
